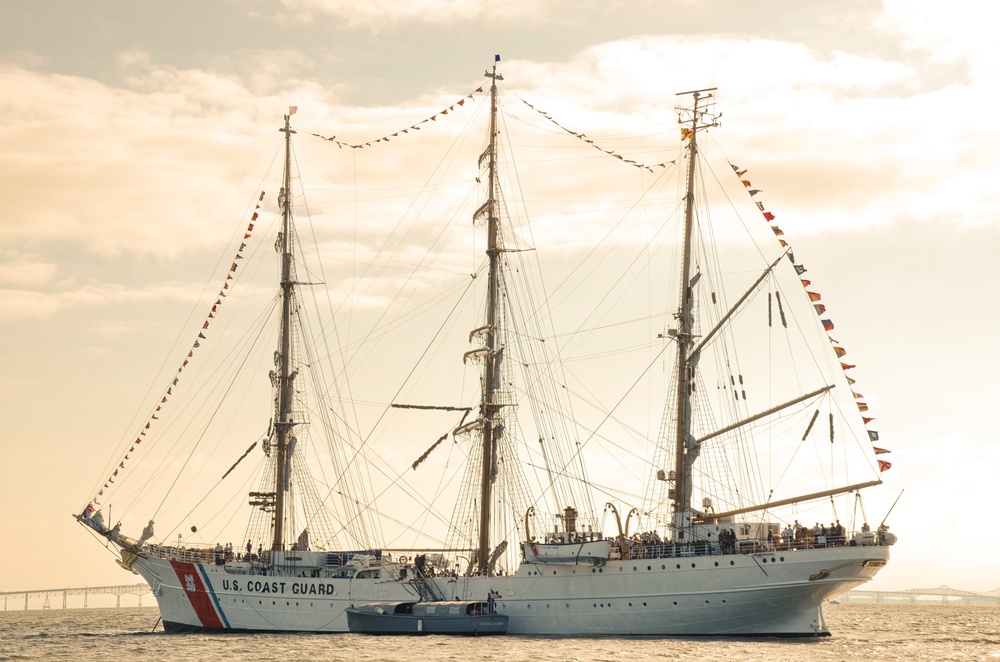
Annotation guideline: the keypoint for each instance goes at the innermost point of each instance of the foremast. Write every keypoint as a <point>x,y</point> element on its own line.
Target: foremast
<point>489,408</point>
<point>686,447</point>
<point>283,422</point>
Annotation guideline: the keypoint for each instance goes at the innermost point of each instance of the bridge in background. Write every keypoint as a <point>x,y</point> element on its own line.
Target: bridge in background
<point>940,594</point>
<point>55,593</point>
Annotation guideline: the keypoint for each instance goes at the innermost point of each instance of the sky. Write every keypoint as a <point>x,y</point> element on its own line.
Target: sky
<point>134,134</point>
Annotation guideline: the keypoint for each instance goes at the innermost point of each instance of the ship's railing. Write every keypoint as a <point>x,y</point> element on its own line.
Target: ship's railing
<point>183,554</point>
<point>640,550</point>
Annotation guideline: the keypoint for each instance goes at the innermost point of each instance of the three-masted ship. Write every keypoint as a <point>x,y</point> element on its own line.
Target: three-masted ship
<point>728,567</point>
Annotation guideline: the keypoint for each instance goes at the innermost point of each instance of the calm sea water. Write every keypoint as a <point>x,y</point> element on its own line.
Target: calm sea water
<point>861,632</point>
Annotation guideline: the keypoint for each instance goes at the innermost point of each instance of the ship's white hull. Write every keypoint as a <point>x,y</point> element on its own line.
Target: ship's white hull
<point>770,594</point>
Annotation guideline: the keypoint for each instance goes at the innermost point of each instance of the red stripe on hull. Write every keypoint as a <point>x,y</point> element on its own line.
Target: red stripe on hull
<point>201,601</point>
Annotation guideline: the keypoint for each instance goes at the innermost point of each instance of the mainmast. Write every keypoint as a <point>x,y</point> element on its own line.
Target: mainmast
<point>489,408</point>
<point>686,447</point>
<point>283,423</point>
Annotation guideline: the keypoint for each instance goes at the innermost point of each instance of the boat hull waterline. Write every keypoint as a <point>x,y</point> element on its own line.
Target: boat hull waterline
<point>473,619</point>
<point>763,594</point>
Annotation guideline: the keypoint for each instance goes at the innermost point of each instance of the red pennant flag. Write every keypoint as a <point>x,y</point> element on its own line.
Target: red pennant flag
<point>813,296</point>
<point>884,466</point>
<point>254,217</point>
<point>769,216</point>
<point>867,419</point>
<point>846,366</point>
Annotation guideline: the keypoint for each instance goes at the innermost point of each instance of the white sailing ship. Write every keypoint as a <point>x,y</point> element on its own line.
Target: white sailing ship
<point>717,548</point>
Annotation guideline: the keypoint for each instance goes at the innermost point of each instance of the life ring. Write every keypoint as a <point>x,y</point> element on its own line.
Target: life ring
<point>404,559</point>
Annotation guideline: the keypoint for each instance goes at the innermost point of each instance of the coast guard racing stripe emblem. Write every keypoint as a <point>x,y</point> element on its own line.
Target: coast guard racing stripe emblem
<point>201,601</point>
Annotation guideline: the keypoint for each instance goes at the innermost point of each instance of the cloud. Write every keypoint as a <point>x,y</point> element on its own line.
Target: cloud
<point>116,170</point>
<point>25,269</point>
<point>946,33</point>
<point>19,304</point>
<point>376,14</point>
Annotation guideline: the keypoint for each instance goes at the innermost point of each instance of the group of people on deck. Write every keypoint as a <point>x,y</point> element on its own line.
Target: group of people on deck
<point>819,534</point>
<point>223,555</point>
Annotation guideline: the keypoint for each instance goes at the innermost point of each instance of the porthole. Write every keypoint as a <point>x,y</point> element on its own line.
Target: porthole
<point>675,603</point>
<point>663,567</point>
<point>649,567</point>
<point>692,565</point>
<point>732,563</point>
<point>678,566</point>
<point>782,559</point>
<point>634,568</point>
<point>716,564</point>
